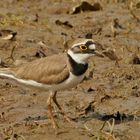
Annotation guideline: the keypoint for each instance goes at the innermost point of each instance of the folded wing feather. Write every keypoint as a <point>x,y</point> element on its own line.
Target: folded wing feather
<point>50,70</point>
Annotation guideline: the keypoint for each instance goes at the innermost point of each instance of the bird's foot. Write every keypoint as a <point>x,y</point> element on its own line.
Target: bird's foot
<point>68,119</point>
<point>55,125</point>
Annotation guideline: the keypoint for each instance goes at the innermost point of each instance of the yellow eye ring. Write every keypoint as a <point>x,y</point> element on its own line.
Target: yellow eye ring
<point>83,47</point>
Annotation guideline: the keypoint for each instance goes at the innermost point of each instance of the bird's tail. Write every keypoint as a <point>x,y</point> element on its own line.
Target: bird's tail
<point>5,72</point>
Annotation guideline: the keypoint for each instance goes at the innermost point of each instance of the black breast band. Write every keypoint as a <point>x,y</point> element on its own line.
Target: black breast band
<point>77,68</point>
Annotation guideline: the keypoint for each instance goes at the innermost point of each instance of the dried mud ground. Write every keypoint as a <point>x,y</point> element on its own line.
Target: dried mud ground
<point>109,91</point>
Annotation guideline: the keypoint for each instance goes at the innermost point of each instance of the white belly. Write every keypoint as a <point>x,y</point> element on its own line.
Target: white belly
<point>72,81</point>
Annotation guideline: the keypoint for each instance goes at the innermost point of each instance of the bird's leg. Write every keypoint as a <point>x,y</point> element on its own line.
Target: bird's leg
<point>12,51</point>
<point>50,110</point>
<point>60,108</point>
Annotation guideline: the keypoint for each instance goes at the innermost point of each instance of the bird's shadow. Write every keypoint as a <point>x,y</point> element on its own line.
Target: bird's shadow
<point>118,117</point>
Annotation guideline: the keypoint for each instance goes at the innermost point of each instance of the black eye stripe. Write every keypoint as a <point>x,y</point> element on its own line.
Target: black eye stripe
<point>88,43</point>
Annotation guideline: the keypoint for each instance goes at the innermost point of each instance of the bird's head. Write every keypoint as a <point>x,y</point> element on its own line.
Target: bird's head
<point>83,49</point>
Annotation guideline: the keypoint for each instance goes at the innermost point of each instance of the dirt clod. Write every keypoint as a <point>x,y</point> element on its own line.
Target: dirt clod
<point>85,6</point>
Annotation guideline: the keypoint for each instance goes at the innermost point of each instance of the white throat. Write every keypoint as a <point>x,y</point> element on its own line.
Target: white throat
<point>79,58</point>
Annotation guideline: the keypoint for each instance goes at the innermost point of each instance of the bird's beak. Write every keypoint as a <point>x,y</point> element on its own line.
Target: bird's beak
<point>97,53</point>
<point>99,50</point>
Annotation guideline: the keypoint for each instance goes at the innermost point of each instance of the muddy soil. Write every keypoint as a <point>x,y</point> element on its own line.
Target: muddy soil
<point>111,90</point>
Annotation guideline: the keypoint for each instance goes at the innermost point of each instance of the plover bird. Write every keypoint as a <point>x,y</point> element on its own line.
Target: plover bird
<point>7,34</point>
<point>56,72</point>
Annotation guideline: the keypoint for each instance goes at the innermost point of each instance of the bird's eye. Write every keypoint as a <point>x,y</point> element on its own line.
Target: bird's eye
<point>83,47</point>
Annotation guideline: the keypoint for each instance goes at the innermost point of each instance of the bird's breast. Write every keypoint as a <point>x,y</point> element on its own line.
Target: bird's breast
<point>71,82</point>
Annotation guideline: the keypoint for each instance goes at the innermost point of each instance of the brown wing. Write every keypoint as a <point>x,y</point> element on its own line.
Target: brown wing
<point>50,70</point>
